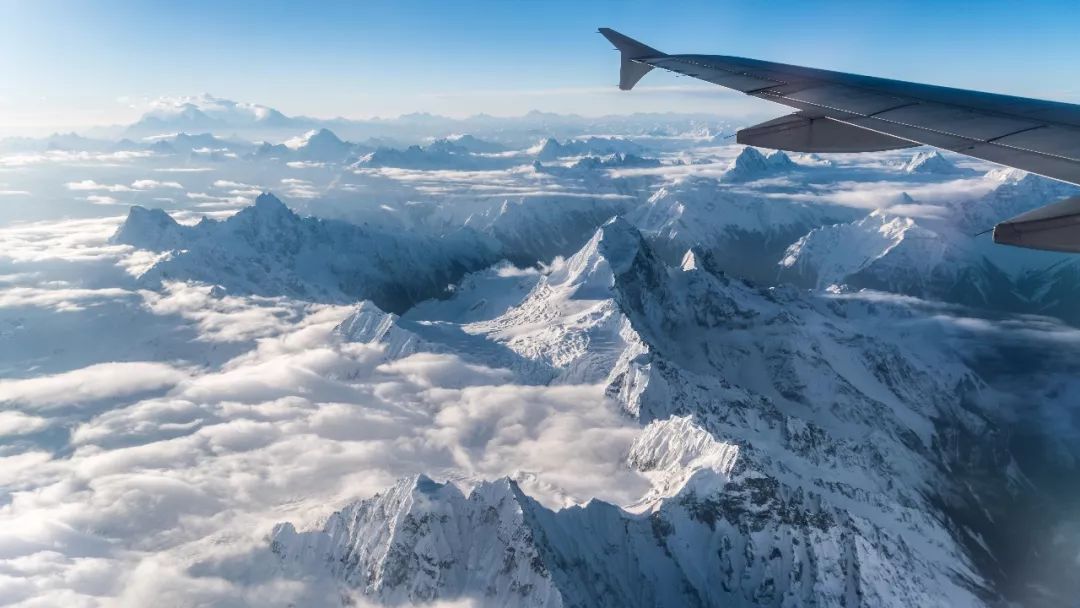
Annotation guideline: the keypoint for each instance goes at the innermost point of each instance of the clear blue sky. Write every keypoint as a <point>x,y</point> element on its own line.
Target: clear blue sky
<point>78,62</point>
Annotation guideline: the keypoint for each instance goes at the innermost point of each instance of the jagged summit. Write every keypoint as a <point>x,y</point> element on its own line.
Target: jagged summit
<point>320,145</point>
<point>315,137</point>
<point>149,229</point>
<point>550,148</point>
<point>931,161</point>
<point>1017,192</point>
<point>473,144</point>
<point>835,254</point>
<point>270,203</point>
<point>440,154</point>
<point>620,243</point>
<point>591,271</point>
<point>316,259</point>
<point>751,164</point>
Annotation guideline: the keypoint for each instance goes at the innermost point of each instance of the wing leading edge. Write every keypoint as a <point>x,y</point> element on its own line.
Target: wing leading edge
<point>840,112</point>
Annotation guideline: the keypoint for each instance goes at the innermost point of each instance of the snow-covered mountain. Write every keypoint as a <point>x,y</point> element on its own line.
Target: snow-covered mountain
<point>267,249</point>
<point>629,374</point>
<point>931,162</point>
<point>797,455</point>
<point>441,154</point>
<point>550,149</point>
<point>896,254</point>
<point>206,112</point>
<point>751,165</point>
<point>321,145</point>
<point>939,258</point>
<point>473,144</point>
<point>747,234</point>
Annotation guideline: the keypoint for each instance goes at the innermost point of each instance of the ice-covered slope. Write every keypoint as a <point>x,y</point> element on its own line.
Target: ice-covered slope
<point>563,326</point>
<point>423,541</point>
<point>897,254</point>
<point>746,233</point>
<point>797,446</point>
<point>940,258</point>
<point>1016,193</point>
<point>267,249</point>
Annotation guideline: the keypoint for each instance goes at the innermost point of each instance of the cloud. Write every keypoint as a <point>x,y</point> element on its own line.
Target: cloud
<point>228,184</point>
<point>294,423</point>
<point>73,158</point>
<point>97,199</point>
<point>69,241</point>
<point>17,423</point>
<point>89,184</point>
<point>90,383</point>
<point>139,184</point>
<point>152,184</point>
<point>184,169</point>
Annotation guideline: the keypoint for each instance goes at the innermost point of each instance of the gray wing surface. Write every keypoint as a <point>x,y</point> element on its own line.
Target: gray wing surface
<point>840,112</point>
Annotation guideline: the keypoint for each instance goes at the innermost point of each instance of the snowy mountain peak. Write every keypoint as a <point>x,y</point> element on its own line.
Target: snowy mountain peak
<point>149,229</point>
<point>1006,174</point>
<point>930,161</point>
<point>591,271</point>
<point>320,145</point>
<point>689,261</point>
<point>268,205</point>
<point>206,111</point>
<point>866,251</point>
<point>549,149</point>
<point>751,164</point>
<point>423,541</point>
<point>620,244</point>
<point>473,144</point>
<point>1017,192</point>
<point>315,138</point>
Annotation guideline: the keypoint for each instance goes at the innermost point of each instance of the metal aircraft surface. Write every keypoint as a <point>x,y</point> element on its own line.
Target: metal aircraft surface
<point>839,112</point>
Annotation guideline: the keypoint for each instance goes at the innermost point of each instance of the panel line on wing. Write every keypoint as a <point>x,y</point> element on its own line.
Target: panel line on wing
<point>994,139</point>
<point>903,105</point>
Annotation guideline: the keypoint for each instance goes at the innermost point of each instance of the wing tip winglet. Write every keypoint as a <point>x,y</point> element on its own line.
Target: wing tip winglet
<point>630,50</point>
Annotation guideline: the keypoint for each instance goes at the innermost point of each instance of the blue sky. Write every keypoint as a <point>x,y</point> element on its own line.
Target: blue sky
<point>77,62</point>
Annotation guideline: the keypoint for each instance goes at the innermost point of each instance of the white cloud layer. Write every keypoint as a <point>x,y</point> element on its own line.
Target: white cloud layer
<point>162,460</point>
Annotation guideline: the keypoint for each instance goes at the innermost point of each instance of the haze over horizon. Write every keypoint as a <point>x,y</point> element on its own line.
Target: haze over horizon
<point>77,64</point>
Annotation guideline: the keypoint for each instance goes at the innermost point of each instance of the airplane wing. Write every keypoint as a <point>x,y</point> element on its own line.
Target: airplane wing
<point>839,112</point>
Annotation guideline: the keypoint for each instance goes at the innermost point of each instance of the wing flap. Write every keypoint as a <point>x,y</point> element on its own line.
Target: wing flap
<point>800,132</point>
<point>848,99</point>
<point>956,121</point>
